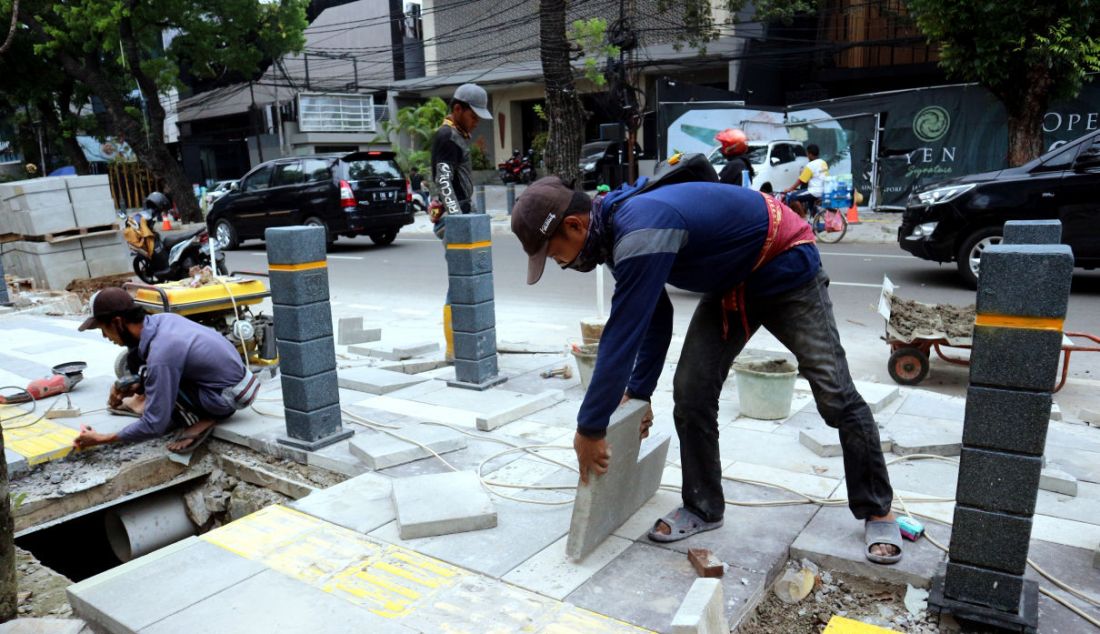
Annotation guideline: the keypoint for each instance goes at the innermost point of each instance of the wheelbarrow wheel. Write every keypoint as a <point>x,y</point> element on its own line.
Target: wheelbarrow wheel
<point>908,366</point>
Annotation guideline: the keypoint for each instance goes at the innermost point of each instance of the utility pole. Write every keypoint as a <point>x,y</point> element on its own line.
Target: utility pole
<point>626,39</point>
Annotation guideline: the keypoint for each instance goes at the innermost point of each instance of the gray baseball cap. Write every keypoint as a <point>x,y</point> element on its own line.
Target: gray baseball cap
<point>475,97</point>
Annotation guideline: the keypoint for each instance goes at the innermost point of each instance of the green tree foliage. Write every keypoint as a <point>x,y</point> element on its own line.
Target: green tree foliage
<point>114,47</point>
<point>411,133</point>
<point>1026,54</point>
<point>590,36</point>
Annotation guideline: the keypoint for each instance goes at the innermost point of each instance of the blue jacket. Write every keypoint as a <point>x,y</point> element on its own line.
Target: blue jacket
<point>699,237</point>
<point>177,350</point>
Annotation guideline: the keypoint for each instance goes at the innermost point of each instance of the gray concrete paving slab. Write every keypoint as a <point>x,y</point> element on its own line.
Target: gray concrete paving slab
<point>752,538</point>
<point>45,626</point>
<point>931,405</point>
<point>522,531</point>
<point>441,504</point>
<point>273,602</point>
<point>338,458</point>
<point>17,464</point>
<point>361,504</point>
<point>382,449</point>
<point>1057,481</point>
<point>633,475</point>
<point>879,396</point>
<point>376,380</point>
<point>776,450</point>
<point>562,415</point>
<point>834,541</point>
<point>1073,567</point>
<point>651,599</point>
<point>550,572</point>
<point>924,435</point>
<point>130,598</point>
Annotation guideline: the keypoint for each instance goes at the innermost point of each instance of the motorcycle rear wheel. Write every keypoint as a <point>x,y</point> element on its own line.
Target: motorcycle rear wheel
<point>143,269</point>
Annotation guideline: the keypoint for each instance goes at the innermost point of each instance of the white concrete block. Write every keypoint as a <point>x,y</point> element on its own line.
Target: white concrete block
<point>702,611</point>
<point>43,217</point>
<point>375,380</point>
<point>1058,481</point>
<point>632,478</point>
<point>94,212</point>
<point>823,442</point>
<point>442,503</point>
<point>350,331</point>
<point>515,407</point>
<point>396,353</point>
<point>878,395</point>
<point>379,450</point>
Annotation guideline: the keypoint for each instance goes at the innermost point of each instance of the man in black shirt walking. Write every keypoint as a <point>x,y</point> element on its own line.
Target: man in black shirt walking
<point>452,172</point>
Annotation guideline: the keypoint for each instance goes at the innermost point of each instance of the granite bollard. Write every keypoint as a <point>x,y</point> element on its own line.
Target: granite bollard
<point>470,267</point>
<point>1023,293</point>
<point>303,334</point>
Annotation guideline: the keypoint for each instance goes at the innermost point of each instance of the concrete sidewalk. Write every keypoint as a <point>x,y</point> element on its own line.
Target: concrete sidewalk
<point>335,561</point>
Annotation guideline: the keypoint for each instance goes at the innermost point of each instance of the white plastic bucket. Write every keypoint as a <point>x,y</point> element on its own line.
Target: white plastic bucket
<point>765,387</point>
<point>585,354</point>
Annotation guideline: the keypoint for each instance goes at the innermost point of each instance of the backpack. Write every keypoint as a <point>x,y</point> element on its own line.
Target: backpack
<point>676,169</point>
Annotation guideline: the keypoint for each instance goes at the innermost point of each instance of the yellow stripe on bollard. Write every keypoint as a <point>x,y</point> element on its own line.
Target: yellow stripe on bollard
<point>305,266</point>
<point>1026,323</point>
<point>471,245</point>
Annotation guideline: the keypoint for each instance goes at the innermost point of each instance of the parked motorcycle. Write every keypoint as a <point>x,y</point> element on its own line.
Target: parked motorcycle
<point>527,168</point>
<point>158,259</point>
<point>510,170</point>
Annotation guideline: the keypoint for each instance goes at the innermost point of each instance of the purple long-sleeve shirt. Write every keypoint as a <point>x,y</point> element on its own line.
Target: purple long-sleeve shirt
<point>176,349</point>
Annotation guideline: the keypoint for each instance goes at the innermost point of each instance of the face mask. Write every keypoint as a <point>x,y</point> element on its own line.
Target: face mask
<point>588,257</point>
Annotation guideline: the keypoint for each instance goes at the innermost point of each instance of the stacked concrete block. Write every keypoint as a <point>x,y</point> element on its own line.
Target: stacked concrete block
<point>93,204</point>
<point>53,265</point>
<point>36,207</point>
<point>470,267</point>
<point>303,334</point>
<point>1023,293</point>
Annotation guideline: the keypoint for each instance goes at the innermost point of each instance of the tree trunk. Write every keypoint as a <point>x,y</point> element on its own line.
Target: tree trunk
<point>8,588</point>
<point>68,129</point>
<point>564,111</point>
<point>1025,108</point>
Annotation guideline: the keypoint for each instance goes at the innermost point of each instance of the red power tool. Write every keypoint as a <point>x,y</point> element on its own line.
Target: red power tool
<point>63,379</point>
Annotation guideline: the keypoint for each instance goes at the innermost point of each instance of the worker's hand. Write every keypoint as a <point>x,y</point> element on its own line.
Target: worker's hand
<point>90,438</point>
<point>647,418</point>
<point>435,211</point>
<point>592,454</point>
<point>114,399</point>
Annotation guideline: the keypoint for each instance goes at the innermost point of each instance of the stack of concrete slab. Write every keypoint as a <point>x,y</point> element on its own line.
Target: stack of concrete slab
<point>67,229</point>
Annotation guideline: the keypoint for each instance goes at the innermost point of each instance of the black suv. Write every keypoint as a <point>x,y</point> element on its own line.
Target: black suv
<point>362,193</point>
<point>958,218</point>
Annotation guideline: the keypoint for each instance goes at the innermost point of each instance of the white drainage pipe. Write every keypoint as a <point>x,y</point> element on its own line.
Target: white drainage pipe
<point>147,524</point>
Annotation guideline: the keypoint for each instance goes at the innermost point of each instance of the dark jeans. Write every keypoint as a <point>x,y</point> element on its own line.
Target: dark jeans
<point>802,319</point>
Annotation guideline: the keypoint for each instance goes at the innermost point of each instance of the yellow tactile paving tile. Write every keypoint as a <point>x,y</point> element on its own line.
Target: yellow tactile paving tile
<point>841,625</point>
<point>38,442</point>
<point>397,583</point>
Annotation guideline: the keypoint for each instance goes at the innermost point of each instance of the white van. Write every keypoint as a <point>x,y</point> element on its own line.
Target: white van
<point>777,163</point>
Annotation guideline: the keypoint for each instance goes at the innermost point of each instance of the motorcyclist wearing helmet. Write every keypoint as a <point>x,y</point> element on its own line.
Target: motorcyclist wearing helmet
<point>157,204</point>
<point>734,146</point>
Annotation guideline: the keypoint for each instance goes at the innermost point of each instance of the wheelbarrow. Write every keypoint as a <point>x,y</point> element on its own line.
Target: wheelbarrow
<point>910,353</point>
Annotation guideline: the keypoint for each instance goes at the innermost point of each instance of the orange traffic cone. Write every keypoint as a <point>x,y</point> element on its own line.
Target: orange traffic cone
<point>167,224</point>
<point>853,215</point>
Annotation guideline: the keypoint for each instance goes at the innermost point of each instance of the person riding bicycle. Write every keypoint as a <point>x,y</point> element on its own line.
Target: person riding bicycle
<point>734,146</point>
<point>811,181</point>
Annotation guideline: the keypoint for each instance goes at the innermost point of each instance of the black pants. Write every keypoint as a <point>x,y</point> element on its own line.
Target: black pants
<point>802,319</point>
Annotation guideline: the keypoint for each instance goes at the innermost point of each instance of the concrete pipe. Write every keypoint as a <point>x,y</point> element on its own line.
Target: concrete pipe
<point>146,524</point>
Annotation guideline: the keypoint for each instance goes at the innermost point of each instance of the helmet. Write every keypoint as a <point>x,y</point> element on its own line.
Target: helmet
<point>515,152</point>
<point>734,141</point>
<point>157,203</point>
